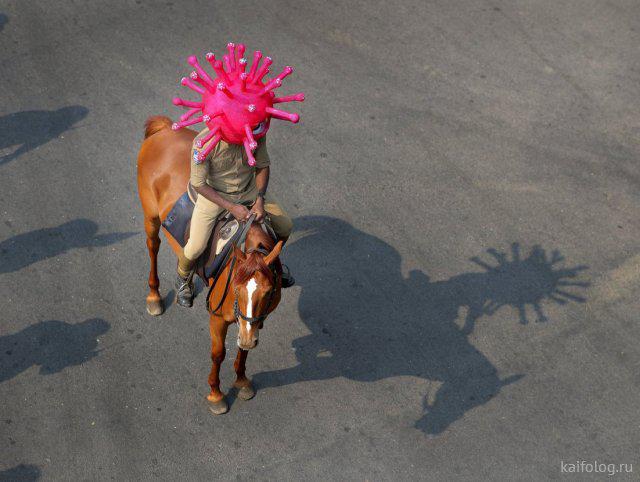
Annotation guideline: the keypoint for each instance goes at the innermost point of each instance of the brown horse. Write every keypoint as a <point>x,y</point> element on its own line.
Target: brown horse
<point>254,279</point>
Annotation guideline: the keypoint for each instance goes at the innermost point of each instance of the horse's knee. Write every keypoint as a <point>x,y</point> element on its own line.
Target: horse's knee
<point>217,357</point>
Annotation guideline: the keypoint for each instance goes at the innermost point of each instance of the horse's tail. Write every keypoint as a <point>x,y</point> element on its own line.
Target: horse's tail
<point>155,124</point>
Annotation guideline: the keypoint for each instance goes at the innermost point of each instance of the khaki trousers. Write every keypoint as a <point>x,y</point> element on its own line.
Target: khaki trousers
<point>205,214</point>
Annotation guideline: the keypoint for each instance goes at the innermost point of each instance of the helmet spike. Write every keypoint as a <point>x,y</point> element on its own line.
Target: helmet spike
<point>289,98</point>
<point>222,75</point>
<point>208,137</point>
<point>285,72</point>
<point>240,48</point>
<point>252,142</point>
<point>259,77</point>
<point>250,159</point>
<point>179,125</point>
<point>242,65</point>
<point>281,114</point>
<point>193,61</point>
<point>186,103</point>
<point>190,113</point>
<point>273,84</point>
<point>207,150</point>
<point>231,48</point>
<point>227,63</point>
<point>187,83</point>
<point>262,71</point>
<point>211,58</point>
<point>195,76</point>
<point>257,55</point>
<point>225,90</point>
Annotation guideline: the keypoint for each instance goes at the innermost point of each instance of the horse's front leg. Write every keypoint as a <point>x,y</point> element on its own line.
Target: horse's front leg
<point>218,329</point>
<point>242,383</point>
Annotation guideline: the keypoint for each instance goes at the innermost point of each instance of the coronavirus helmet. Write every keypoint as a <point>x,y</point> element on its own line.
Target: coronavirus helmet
<point>236,106</point>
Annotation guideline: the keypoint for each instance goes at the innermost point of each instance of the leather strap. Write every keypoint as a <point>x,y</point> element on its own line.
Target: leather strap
<point>238,239</point>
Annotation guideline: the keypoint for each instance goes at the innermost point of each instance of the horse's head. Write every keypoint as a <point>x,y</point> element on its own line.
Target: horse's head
<point>256,289</point>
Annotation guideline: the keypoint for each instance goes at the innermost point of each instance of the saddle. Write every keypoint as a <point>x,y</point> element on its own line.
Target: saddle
<point>225,233</point>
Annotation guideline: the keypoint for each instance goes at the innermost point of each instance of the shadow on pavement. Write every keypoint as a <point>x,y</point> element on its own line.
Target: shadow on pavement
<point>3,21</point>
<point>33,128</point>
<point>53,345</point>
<point>20,473</point>
<point>369,322</point>
<point>25,249</point>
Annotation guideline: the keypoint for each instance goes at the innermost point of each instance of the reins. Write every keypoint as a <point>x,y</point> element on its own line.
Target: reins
<point>238,241</point>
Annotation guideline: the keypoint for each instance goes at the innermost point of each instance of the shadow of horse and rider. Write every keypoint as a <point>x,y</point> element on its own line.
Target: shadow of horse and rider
<point>51,345</point>
<point>27,130</point>
<point>369,322</point>
<point>34,246</point>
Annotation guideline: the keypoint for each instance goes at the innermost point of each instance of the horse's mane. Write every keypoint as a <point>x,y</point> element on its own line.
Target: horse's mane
<point>249,267</point>
<point>254,262</point>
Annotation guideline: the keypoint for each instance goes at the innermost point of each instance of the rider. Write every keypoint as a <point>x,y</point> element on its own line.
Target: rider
<point>225,181</point>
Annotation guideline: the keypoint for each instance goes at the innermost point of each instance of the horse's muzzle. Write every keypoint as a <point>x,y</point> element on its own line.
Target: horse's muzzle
<point>248,346</point>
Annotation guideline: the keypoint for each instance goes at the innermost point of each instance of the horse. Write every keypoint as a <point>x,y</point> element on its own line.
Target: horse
<point>253,278</point>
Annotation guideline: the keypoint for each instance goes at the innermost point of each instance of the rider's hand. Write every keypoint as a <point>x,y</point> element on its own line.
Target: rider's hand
<point>240,212</point>
<point>258,208</point>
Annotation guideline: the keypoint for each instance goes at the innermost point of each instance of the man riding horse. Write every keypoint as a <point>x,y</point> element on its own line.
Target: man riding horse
<point>228,166</point>
<point>226,181</point>
<point>229,160</point>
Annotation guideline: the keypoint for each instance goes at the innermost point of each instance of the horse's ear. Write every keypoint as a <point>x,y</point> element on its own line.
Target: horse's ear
<point>275,252</point>
<point>240,256</point>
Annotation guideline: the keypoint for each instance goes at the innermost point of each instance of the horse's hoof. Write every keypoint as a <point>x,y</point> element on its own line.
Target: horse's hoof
<point>246,393</point>
<point>154,307</point>
<point>219,407</point>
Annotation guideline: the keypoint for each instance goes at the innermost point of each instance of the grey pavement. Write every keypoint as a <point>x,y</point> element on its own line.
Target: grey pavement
<point>464,184</point>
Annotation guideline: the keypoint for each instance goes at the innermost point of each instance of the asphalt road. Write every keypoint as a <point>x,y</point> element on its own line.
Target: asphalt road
<point>464,183</point>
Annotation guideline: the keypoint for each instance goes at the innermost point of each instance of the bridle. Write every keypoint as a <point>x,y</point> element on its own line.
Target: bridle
<point>236,308</point>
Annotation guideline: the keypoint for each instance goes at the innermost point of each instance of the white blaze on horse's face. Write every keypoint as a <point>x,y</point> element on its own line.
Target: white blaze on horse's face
<point>251,288</point>
<point>247,339</point>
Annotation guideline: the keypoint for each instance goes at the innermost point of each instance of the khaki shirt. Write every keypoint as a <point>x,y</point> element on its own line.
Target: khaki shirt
<point>226,168</point>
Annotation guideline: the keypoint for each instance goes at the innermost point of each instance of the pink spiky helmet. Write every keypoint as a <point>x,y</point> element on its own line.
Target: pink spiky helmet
<point>236,106</point>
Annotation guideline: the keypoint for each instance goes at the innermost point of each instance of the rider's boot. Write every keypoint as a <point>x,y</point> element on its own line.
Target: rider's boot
<point>184,282</point>
<point>287,279</point>
<point>184,290</point>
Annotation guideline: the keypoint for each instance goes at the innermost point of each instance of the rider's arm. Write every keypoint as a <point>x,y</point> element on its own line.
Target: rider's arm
<point>262,165</point>
<point>262,179</point>
<point>262,176</point>
<point>213,196</point>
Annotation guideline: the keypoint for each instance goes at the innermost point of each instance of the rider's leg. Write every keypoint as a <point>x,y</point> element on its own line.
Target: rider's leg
<point>204,217</point>
<point>282,225</point>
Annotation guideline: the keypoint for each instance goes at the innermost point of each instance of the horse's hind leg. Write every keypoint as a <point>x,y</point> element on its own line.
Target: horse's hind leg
<point>154,301</point>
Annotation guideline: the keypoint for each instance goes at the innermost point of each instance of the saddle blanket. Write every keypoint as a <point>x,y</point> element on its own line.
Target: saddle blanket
<point>226,229</point>
<point>179,219</point>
